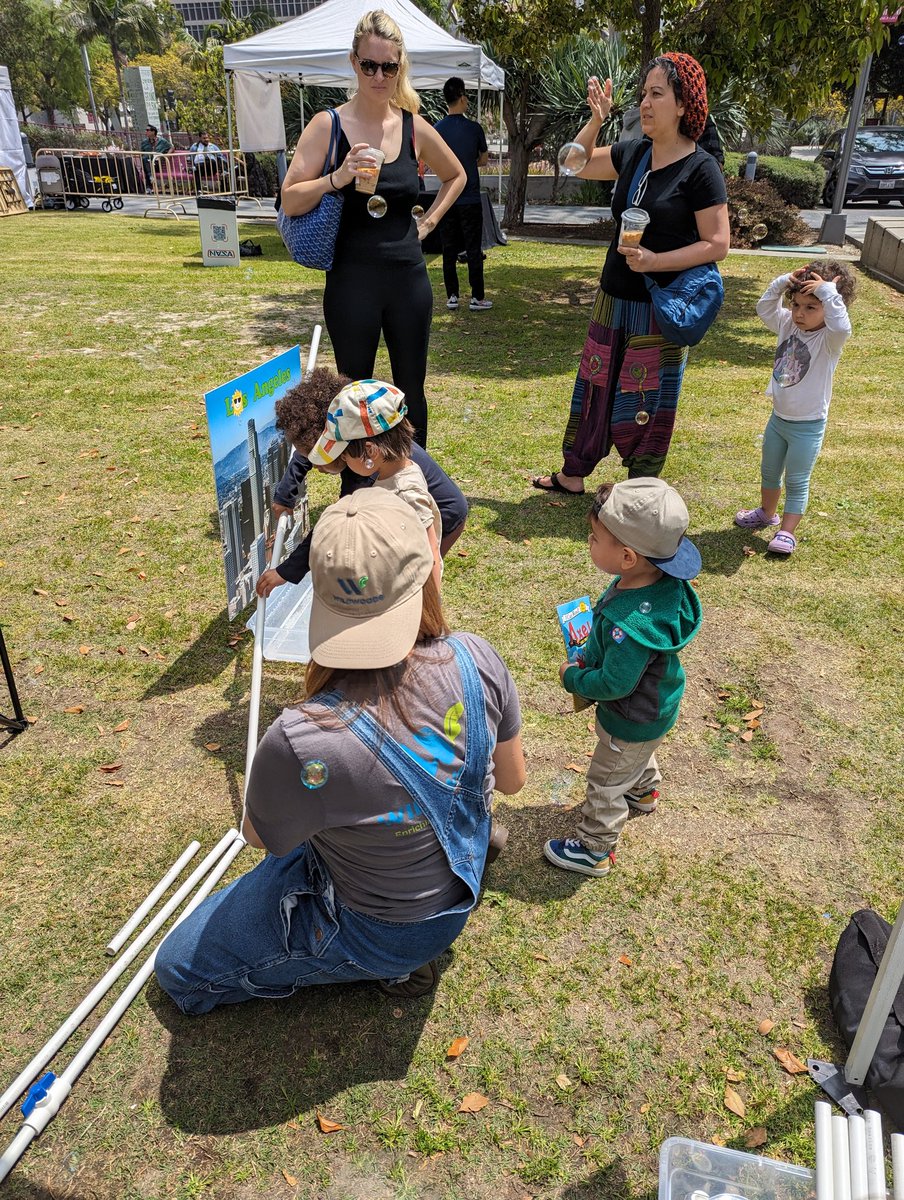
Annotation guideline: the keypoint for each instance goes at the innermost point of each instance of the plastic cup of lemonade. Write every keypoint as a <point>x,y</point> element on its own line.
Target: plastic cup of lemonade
<point>366,177</point>
<point>633,223</point>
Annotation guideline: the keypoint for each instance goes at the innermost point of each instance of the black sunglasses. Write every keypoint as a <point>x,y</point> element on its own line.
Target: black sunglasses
<point>369,67</point>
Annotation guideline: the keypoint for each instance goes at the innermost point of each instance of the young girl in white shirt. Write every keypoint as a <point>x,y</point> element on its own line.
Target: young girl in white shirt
<point>811,335</point>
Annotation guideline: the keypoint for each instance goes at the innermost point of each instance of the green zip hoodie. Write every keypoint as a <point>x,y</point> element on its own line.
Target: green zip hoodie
<point>631,665</point>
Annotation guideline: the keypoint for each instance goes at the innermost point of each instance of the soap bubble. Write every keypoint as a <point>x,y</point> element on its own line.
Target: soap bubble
<point>742,215</point>
<point>758,232</point>
<point>314,773</point>
<point>377,207</point>
<point>758,441</point>
<point>642,9</point>
<point>572,158</point>
<point>645,607</point>
<point>642,417</point>
<point>417,212</point>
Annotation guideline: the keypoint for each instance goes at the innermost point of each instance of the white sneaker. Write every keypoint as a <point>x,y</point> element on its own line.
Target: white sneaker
<point>479,305</point>
<point>452,302</point>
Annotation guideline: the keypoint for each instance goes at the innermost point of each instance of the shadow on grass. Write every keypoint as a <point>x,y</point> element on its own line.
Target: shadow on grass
<point>609,1183</point>
<point>265,1062</point>
<point>22,1189</point>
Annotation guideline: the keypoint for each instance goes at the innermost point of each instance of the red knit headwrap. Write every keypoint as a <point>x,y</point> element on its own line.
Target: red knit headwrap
<point>693,92</point>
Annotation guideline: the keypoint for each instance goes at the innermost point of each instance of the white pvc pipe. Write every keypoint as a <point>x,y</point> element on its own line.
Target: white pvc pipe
<point>257,660</point>
<point>47,1108</point>
<point>897,1165</point>
<point>841,1159</point>
<point>825,1185</point>
<point>312,353</point>
<point>875,1155</point>
<point>857,1152</point>
<point>878,1006</point>
<point>116,943</point>
<point>100,989</point>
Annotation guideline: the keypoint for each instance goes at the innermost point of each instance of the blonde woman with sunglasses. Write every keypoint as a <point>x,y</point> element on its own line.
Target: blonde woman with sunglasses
<point>378,282</point>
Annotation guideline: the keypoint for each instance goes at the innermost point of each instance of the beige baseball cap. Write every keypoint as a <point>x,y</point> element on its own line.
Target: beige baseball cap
<point>370,559</point>
<point>649,516</point>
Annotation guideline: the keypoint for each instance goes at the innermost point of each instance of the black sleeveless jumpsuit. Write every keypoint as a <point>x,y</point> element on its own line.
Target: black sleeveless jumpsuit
<point>379,282</point>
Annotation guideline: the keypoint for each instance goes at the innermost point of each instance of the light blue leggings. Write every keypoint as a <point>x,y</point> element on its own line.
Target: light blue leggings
<point>791,447</point>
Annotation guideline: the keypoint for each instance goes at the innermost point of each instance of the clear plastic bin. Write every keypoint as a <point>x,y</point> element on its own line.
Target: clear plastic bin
<point>697,1171</point>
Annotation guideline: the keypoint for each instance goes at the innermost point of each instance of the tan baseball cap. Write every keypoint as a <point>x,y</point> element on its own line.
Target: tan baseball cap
<point>649,517</point>
<point>370,559</point>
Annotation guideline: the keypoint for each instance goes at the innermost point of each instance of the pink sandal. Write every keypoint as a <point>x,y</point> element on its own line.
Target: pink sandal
<point>755,518</point>
<point>783,543</point>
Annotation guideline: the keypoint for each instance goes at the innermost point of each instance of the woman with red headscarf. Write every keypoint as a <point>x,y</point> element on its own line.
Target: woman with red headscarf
<point>628,383</point>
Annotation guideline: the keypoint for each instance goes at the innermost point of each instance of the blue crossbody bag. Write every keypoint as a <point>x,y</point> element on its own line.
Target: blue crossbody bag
<point>686,307</point>
<point>311,238</point>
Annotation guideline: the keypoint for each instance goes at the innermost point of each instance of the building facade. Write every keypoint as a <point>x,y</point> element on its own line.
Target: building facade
<point>198,15</point>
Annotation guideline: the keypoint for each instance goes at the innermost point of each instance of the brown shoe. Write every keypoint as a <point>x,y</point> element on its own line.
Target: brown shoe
<point>421,981</point>
<point>498,838</point>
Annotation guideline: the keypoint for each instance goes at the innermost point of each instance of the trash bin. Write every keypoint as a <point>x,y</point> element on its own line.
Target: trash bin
<point>219,231</point>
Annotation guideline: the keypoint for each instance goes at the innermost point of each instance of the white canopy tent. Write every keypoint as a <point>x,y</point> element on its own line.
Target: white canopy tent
<point>11,152</point>
<point>314,49</point>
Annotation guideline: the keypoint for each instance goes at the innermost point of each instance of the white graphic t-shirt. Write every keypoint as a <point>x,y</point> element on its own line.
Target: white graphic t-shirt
<point>801,383</point>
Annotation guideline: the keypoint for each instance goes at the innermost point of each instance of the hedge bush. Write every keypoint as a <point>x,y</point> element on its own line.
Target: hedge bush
<point>796,180</point>
<point>42,138</point>
<point>752,204</point>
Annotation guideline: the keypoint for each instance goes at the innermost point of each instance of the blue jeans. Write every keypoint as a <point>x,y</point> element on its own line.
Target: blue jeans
<point>791,447</point>
<point>281,927</point>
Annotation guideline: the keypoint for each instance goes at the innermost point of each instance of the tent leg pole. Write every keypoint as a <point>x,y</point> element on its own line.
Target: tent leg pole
<point>229,124</point>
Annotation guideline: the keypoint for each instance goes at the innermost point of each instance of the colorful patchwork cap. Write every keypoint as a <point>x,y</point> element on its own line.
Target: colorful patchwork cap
<point>363,409</point>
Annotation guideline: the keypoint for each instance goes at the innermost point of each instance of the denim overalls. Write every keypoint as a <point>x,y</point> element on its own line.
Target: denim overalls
<point>281,926</point>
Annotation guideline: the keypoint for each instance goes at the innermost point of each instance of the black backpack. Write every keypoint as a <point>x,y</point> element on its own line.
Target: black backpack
<point>857,958</point>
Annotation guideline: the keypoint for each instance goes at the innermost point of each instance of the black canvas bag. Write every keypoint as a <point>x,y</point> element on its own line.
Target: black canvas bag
<point>857,958</point>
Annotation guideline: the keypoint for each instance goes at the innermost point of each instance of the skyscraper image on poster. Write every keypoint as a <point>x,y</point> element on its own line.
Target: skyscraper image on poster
<point>249,458</point>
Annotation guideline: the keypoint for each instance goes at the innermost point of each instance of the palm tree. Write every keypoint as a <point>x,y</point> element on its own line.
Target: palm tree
<point>126,25</point>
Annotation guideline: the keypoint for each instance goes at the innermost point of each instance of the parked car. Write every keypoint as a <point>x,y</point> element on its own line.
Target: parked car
<point>877,165</point>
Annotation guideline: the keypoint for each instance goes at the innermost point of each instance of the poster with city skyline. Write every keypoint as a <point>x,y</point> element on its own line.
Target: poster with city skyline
<point>250,456</point>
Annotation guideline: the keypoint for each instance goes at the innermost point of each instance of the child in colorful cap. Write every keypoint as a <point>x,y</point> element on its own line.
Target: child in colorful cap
<point>366,427</point>
<point>631,667</point>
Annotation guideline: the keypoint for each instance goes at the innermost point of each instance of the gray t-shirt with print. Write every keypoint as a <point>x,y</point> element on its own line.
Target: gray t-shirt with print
<point>379,847</point>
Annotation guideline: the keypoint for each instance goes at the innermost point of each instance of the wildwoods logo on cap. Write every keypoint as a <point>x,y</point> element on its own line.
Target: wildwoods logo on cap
<point>353,587</point>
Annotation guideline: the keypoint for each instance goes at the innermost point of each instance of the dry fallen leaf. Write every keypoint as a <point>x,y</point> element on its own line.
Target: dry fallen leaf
<point>564,1082</point>
<point>749,551</point>
<point>416,1111</point>
<point>114,783</point>
<point>644,1108</point>
<point>753,724</point>
<point>144,650</point>
<point>577,1139</point>
<point>789,1061</point>
<point>765,1026</point>
<point>290,1179</point>
<point>473,1103</point>
<point>85,649</point>
<point>39,669</point>
<point>212,747</point>
<point>754,714</point>
<point>722,694</point>
<point>755,1137</point>
<point>326,1125</point>
<point>122,726</point>
<point>40,592</point>
<point>733,1102</point>
<point>457,1046</point>
<point>746,736</point>
<point>625,961</point>
<point>116,766</point>
<point>734,1076</point>
<point>718,1141</point>
<point>61,602</point>
<point>74,708</point>
<point>575,767</point>
<point>68,618</point>
<point>462,553</point>
<point>540,957</point>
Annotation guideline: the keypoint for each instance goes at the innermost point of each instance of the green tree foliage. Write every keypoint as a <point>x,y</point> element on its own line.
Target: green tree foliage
<point>127,26</point>
<point>43,60</point>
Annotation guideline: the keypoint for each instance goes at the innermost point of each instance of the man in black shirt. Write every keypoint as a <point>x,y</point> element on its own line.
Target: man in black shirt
<point>462,226</point>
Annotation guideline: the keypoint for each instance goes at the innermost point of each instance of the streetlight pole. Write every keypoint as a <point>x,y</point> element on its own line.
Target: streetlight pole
<point>86,65</point>
<point>834,226</point>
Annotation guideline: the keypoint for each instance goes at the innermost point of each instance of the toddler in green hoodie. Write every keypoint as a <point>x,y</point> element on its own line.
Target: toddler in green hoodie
<point>631,667</point>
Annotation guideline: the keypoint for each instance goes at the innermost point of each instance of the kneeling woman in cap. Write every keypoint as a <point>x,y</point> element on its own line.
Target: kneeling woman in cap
<point>373,796</point>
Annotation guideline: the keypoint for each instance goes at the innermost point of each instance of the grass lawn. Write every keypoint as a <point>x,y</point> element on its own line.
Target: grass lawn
<point>603,1015</point>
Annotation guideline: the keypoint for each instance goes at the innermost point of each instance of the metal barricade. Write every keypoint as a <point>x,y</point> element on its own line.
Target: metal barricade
<point>73,178</point>
<point>184,174</point>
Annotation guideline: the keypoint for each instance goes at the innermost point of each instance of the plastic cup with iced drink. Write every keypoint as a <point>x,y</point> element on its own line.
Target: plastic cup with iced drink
<point>366,177</point>
<point>633,223</point>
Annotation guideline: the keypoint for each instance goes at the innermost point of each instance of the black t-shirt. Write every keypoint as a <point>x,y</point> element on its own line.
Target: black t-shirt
<point>467,141</point>
<point>673,195</point>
